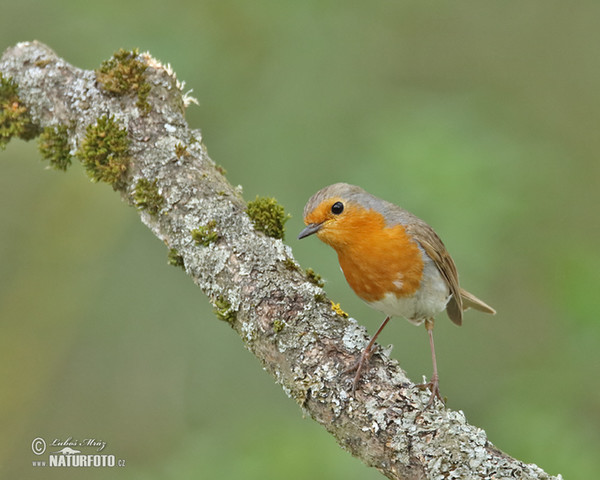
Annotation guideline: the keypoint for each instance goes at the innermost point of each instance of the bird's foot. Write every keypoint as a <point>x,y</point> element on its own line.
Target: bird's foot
<point>358,366</point>
<point>434,387</point>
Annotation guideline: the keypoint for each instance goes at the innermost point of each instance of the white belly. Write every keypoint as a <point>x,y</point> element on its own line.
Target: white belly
<point>427,302</point>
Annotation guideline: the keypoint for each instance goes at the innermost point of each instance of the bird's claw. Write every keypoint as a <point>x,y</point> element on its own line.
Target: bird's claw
<point>434,387</point>
<point>358,366</point>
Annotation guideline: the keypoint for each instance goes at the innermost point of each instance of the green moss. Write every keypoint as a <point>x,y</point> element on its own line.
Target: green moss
<point>43,63</point>
<point>147,197</point>
<point>314,278</point>
<point>124,74</point>
<point>320,297</point>
<point>143,92</point>
<point>181,150</point>
<point>291,265</point>
<point>173,258</point>
<point>223,310</point>
<point>267,216</point>
<point>54,146</point>
<point>104,152</point>
<point>278,325</point>
<point>206,234</point>
<point>221,170</point>
<point>14,116</point>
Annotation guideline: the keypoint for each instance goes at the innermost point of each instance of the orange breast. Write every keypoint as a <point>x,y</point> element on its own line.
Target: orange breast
<point>376,259</point>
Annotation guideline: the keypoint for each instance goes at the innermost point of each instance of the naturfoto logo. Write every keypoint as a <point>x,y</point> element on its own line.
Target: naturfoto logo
<point>72,453</point>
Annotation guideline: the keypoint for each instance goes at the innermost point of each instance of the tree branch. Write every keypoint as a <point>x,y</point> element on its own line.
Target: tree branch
<point>252,279</point>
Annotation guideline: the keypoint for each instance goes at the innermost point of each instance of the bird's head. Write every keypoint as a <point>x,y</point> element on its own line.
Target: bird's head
<point>341,214</point>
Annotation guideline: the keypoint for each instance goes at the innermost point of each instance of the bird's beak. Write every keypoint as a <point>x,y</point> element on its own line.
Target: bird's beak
<point>309,230</point>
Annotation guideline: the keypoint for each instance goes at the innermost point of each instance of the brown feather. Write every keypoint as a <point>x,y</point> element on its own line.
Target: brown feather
<point>454,313</point>
<point>436,250</point>
<point>471,301</point>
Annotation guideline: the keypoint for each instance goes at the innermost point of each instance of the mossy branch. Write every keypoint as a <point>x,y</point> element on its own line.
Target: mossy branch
<point>126,123</point>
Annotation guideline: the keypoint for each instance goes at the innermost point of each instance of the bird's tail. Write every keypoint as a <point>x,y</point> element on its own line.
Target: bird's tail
<point>471,301</point>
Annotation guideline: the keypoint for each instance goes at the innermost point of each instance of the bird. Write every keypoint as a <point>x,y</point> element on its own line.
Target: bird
<point>392,260</point>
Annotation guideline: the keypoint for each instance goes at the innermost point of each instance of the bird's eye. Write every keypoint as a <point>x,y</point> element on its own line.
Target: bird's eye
<point>337,208</point>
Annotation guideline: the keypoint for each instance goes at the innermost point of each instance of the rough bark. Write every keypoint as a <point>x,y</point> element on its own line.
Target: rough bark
<point>283,318</point>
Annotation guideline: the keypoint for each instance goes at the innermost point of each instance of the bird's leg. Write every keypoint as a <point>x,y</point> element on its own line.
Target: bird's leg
<point>364,357</point>
<point>434,383</point>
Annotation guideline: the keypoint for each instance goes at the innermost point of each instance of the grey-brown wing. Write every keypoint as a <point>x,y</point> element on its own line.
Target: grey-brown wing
<point>435,248</point>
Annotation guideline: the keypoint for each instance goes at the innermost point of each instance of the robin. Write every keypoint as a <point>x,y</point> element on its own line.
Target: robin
<point>392,260</point>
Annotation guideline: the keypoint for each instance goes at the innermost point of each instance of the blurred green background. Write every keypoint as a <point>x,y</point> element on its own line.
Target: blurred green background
<point>480,117</point>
